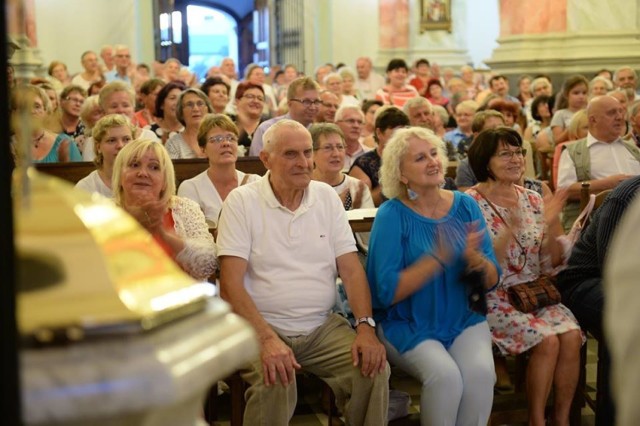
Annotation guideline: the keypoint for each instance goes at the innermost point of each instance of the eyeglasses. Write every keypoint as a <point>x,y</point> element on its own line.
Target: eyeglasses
<point>329,148</point>
<point>223,138</point>
<point>75,100</point>
<point>253,97</point>
<point>192,105</point>
<point>352,122</point>
<point>330,105</point>
<point>123,56</point>
<point>308,102</point>
<point>508,155</point>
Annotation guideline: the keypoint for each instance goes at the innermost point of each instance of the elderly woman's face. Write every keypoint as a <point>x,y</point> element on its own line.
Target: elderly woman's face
<point>507,163</point>
<point>329,156</point>
<point>421,166</point>
<point>193,109</point>
<point>143,179</point>
<point>599,88</point>
<point>221,147</point>
<point>59,72</point>
<point>347,84</point>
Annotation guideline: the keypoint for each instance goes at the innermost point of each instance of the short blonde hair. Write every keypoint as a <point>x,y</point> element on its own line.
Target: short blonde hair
<point>213,121</point>
<point>577,120</point>
<point>131,152</point>
<point>114,87</point>
<point>394,152</point>
<point>100,131</point>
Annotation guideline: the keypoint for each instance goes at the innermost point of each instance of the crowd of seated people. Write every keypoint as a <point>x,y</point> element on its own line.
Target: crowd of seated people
<point>344,129</point>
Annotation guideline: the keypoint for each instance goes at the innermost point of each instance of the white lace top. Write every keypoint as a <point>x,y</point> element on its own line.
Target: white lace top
<point>198,258</point>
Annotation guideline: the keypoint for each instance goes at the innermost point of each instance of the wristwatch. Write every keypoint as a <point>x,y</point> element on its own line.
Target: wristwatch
<point>365,320</point>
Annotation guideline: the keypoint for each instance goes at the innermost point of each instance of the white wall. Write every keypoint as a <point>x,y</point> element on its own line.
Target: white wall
<point>66,28</point>
<point>483,29</point>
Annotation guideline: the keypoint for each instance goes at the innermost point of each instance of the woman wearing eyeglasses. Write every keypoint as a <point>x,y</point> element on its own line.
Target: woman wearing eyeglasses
<point>193,105</point>
<point>328,159</point>
<point>218,141</point>
<point>249,101</point>
<point>524,230</point>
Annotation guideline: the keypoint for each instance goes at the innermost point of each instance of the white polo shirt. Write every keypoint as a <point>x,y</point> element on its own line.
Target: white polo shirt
<point>607,159</point>
<point>291,272</point>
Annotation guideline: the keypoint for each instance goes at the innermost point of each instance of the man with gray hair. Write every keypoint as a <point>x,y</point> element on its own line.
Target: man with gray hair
<point>282,242</point>
<point>420,112</point>
<point>122,61</point>
<point>626,78</point>
<point>368,81</point>
<point>350,119</point>
<point>303,102</point>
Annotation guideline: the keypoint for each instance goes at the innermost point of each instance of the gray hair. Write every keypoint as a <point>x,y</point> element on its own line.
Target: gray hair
<point>416,102</point>
<point>634,108</point>
<point>394,152</point>
<point>271,138</point>
<point>607,83</point>
<point>538,81</point>
<point>442,112</point>
<point>343,109</point>
<point>331,75</point>
<point>625,68</point>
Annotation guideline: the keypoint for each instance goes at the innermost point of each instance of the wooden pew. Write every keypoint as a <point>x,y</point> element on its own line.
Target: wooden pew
<point>185,169</point>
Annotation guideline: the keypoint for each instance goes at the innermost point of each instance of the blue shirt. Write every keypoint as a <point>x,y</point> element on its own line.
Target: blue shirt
<point>439,310</point>
<point>454,136</point>
<point>114,76</point>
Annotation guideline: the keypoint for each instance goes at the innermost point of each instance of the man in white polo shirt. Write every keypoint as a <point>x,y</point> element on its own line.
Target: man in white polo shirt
<point>282,241</point>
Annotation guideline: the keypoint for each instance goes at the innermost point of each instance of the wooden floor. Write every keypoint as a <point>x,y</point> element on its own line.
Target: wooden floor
<point>310,412</point>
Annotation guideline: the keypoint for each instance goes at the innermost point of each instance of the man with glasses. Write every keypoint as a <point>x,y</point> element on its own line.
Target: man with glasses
<point>303,102</point>
<point>123,63</point>
<point>328,107</point>
<point>350,119</point>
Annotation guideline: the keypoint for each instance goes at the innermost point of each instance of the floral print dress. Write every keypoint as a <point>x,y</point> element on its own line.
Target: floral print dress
<point>515,332</point>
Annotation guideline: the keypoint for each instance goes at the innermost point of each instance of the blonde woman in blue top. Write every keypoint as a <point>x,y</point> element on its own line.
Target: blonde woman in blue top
<point>423,241</point>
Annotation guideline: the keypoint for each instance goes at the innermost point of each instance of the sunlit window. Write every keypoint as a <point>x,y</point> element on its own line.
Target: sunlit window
<point>212,36</point>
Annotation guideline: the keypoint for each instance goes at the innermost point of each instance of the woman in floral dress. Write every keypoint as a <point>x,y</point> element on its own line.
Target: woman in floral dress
<point>523,229</point>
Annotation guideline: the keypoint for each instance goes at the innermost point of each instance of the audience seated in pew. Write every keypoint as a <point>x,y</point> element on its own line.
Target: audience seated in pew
<point>111,133</point>
<point>218,140</point>
<point>524,231</point>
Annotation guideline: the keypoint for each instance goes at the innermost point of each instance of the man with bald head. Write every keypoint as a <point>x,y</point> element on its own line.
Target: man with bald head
<point>603,158</point>
<point>328,107</point>
<point>368,81</point>
<point>282,241</point>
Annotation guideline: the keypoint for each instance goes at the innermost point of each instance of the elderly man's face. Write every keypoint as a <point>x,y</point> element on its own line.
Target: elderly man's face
<point>626,80</point>
<point>606,118</point>
<point>421,116</point>
<point>290,160</point>
<point>90,62</point>
<point>228,68</point>
<point>364,68</point>
<point>351,125</point>
<point>123,58</point>
<point>328,107</point>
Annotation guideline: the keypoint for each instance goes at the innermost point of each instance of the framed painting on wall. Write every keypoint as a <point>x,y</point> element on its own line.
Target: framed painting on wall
<point>435,15</point>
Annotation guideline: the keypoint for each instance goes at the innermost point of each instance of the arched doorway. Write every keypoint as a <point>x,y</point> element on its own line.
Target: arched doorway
<point>213,35</point>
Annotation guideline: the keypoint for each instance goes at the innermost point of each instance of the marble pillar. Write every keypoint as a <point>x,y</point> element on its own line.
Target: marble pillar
<point>566,36</point>
<point>402,35</point>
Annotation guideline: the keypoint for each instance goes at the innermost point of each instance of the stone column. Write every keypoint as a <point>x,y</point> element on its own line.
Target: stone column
<point>401,35</point>
<point>562,37</point>
<point>21,26</point>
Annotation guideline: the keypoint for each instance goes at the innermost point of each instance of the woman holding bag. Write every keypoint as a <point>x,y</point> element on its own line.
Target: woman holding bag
<point>524,230</point>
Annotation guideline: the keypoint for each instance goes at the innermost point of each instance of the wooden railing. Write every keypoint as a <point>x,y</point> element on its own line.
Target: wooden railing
<point>185,169</point>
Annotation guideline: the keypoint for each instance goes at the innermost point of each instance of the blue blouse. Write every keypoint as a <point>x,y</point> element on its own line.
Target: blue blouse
<point>52,156</point>
<point>439,310</point>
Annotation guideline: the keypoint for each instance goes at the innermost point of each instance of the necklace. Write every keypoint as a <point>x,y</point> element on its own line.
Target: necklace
<point>433,210</point>
<point>36,141</point>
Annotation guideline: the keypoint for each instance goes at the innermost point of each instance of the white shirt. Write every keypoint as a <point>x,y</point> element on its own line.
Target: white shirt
<point>350,159</point>
<point>88,153</point>
<point>369,86</point>
<point>291,255</point>
<point>93,183</point>
<point>201,190</point>
<point>607,159</point>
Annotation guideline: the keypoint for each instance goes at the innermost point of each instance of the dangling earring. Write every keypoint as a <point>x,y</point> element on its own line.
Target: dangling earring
<point>413,195</point>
